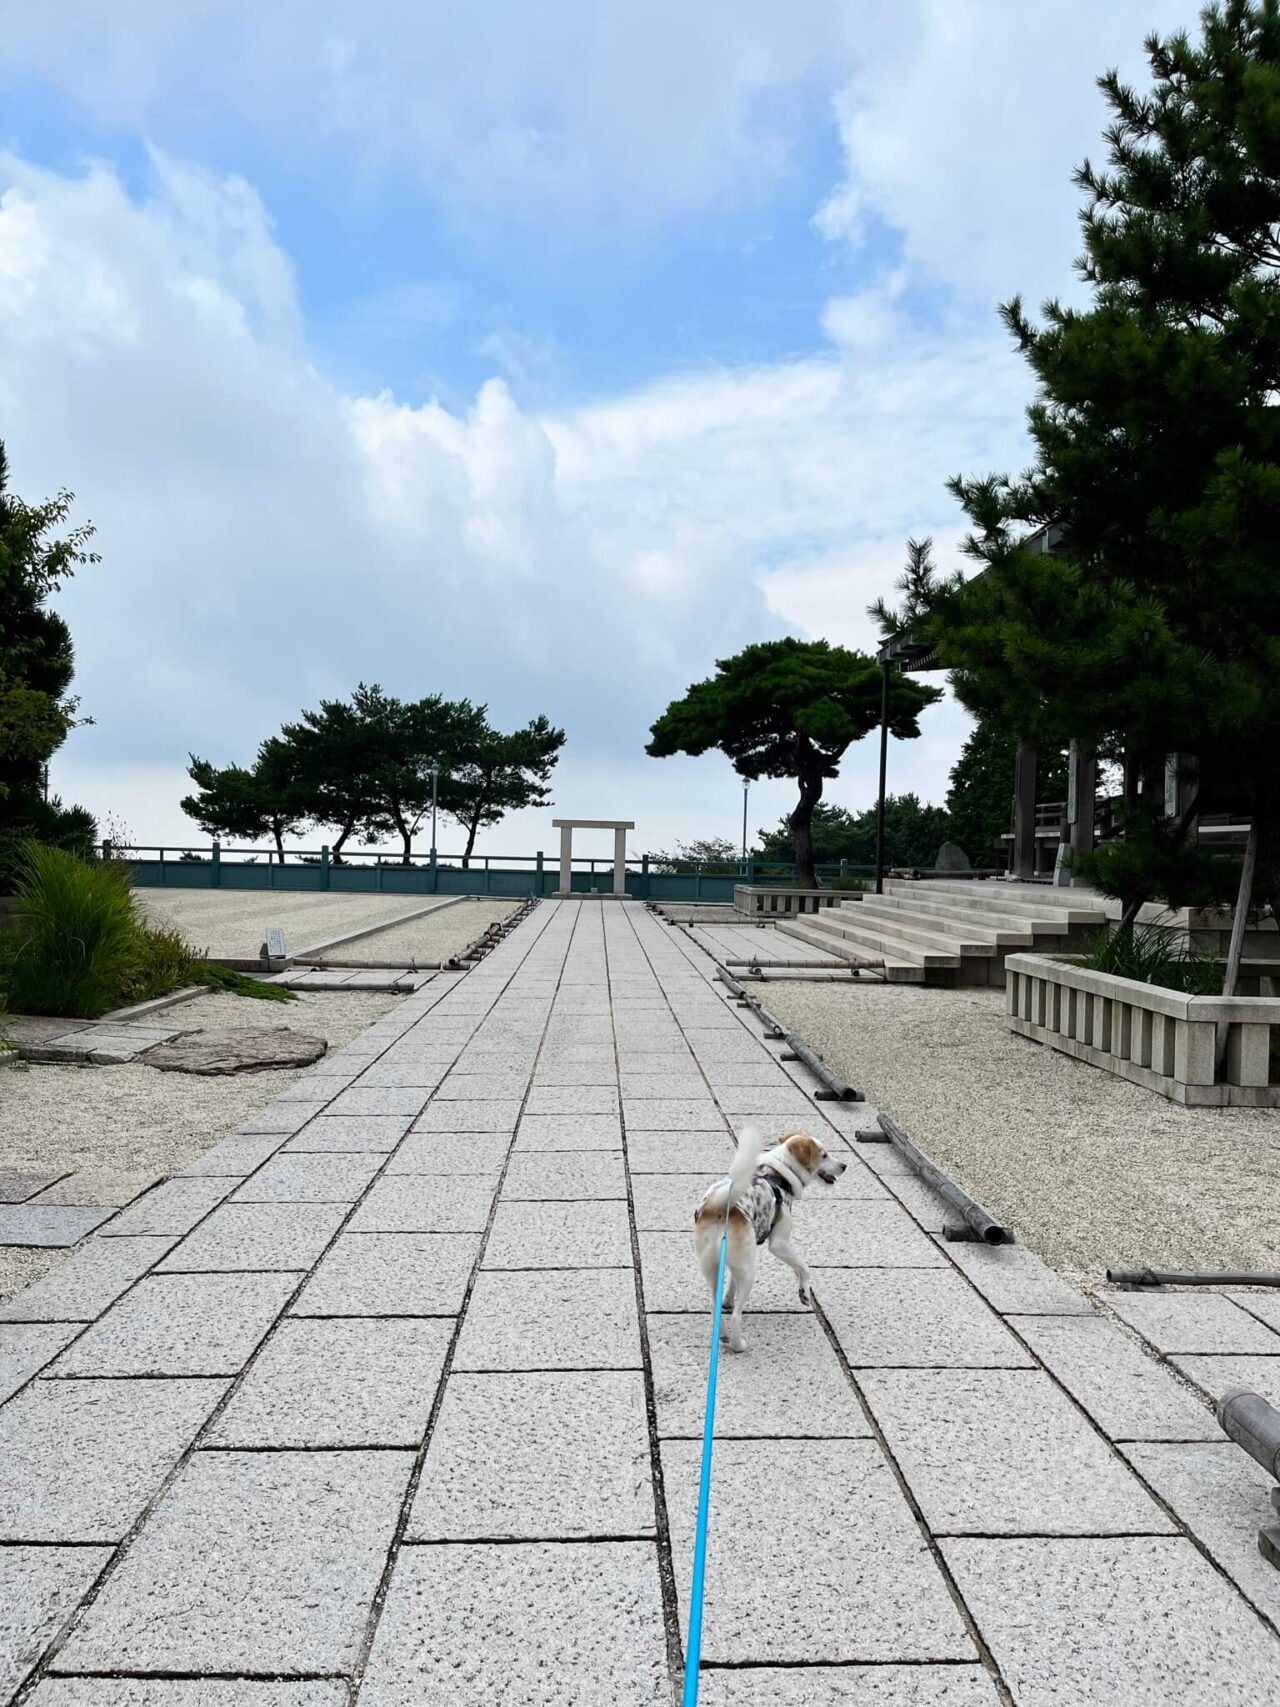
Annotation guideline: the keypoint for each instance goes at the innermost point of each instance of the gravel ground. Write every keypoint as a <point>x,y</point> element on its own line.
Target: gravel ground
<point>234,922</point>
<point>121,1128</point>
<point>432,937</point>
<point>1088,1169</point>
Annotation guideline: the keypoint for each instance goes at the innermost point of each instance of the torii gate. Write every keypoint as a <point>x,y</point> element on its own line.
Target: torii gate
<point>567,826</point>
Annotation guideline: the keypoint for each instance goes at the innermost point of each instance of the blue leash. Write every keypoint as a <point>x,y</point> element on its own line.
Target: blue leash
<point>693,1648</point>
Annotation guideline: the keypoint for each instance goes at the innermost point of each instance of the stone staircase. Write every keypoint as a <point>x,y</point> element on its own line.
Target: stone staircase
<point>951,930</point>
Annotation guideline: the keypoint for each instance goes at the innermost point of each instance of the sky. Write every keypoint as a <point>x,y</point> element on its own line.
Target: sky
<point>536,354</point>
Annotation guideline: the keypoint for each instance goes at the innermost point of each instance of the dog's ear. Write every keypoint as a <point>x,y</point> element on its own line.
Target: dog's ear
<point>807,1151</point>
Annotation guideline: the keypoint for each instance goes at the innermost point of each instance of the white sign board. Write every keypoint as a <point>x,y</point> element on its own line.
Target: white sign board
<point>275,943</point>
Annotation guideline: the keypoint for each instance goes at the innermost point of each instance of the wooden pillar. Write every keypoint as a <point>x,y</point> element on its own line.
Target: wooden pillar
<point>1024,811</point>
<point>1082,789</point>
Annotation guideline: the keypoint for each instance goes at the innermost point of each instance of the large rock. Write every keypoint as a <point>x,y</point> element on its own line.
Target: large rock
<point>236,1051</point>
<point>952,857</point>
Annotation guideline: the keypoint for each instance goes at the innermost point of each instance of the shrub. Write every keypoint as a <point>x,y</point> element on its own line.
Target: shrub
<point>1152,955</point>
<point>216,977</point>
<point>75,946</point>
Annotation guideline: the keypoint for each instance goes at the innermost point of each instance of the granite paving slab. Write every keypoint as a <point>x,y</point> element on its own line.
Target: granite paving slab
<point>849,1686</point>
<point>1195,1322</point>
<point>316,1087</point>
<point>232,1158</point>
<point>679,1153</point>
<point>174,1208</point>
<point>186,1692</point>
<point>18,1184</point>
<point>263,1236</point>
<point>457,1153</point>
<point>549,1175</point>
<point>361,1100</point>
<point>258,1562</point>
<point>425,1203</point>
<point>859,1232</point>
<point>494,1114</point>
<point>871,1591</point>
<point>572,1099</point>
<point>686,1084</point>
<point>357,1382</point>
<point>569,1132</point>
<point>603,1070</point>
<point>82,1287</point>
<point>1218,1375</point>
<point>40,1587</point>
<point>1223,1497</point>
<point>391,1274</point>
<point>1004,1452</point>
<point>25,1348</point>
<point>49,1226</point>
<point>919,1317</point>
<point>559,1235</point>
<point>280,1118</point>
<point>789,1385</point>
<point>1014,1281</point>
<point>673,1280</point>
<point>483,1087</point>
<point>564,1622</point>
<point>1127,1393</point>
<point>396,1072</point>
<point>651,1114</point>
<point>596,1482</point>
<point>181,1324</point>
<point>665,1203</point>
<point>80,1459</point>
<point>1264,1305</point>
<point>338,1132</point>
<point>1162,1626</point>
<point>309,1179</point>
<point>111,1188</point>
<point>921,1203</point>
<point>579,1318</point>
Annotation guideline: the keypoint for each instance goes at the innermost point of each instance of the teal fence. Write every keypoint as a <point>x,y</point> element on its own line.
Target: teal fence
<point>216,867</point>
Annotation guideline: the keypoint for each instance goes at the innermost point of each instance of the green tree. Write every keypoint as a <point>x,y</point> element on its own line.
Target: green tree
<point>980,798</point>
<point>36,666</point>
<point>1154,620</point>
<point>913,833</point>
<point>491,774</point>
<point>248,804</point>
<point>714,855</point>
<point>789,708</point>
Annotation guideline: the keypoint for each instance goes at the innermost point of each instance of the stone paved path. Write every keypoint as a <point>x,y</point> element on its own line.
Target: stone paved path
<point>395,1397</point>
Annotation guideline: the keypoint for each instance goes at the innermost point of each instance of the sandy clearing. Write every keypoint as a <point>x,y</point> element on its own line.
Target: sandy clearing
<point>234,922</point>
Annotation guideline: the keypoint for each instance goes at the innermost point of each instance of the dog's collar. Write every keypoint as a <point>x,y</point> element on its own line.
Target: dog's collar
<point>787,1172</point>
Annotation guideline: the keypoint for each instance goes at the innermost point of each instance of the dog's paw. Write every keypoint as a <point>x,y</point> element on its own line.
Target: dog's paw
<point>806,1297</point>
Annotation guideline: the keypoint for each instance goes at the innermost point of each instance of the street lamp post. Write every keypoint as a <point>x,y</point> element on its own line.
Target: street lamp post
<point>435,777</point>
<point>746,784</point>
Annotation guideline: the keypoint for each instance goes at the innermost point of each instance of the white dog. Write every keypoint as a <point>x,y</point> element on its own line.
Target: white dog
<point>763,1186</point>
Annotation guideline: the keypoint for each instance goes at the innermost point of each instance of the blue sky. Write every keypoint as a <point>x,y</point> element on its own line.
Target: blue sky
<point>542,354</point>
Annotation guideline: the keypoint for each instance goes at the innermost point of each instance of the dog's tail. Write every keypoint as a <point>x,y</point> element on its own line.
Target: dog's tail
<point>751,1146</point>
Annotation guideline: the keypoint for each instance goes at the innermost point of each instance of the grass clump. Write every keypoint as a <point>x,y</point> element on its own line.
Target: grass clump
<point>1151,954</point>
<point>216,977</point>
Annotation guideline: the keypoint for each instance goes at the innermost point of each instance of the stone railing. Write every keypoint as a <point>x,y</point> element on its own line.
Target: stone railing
<point>1157,1038</point>
<point>755,898</point>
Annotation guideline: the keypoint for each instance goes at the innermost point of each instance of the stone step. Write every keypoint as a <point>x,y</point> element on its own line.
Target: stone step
<point>875,938</point>
<point>1006,930</point>
<point>1024,900</point>
<point>971,937</point>
<point>897,969</point>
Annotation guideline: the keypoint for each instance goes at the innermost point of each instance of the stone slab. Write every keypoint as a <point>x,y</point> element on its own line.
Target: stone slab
<point>233,1157</point>
<point>186,1692</point>
<point>25,1348</point>
<point>1223,1497</point>
<point>572,1099</point>
<point>563,1175</point>
<point>747,1101</point>
<point>858,1232</point>
<point>391,1274</point>
<point>360,1382</point>
<point>1195,1322</point>
<point>1014,1281</point>
<point>423,1203</point>
<point>921,1203</point>
<point>40,1587</point>
<point>309,1179</point>
<point>85,1284</point>
<point>174,1208</point>
<point>455,1153</point>
<point>378,1133</point>
<point>80,1459</point>
<point>279,1119</point>
<point>265,1236</point>
<point>1004,1452</point>
<point>665,1203</point>
<point>317,1087</point>
<point>259,1562</point>
<point>181,1324</point>
<point>698,1114</point>
<point>48,1226</point>
<point>595,1483</point>
<point>789,1384</point>
<point>871,1591</point>
<point>1264,1305</point>
<point>569,1132</point>
<point>1217,1375</point>
<point>919,1317</point>
<point>673,1280</point>
<point>687,1085</point>
<point>559,1235</point>
<point>483,1087</point>
<point>568,1622</point>
<point>601,1069</point>
<point>679,1153</point>
<point>1127,1393</point>
<point>363,1100</point>
<point>1118,1622</point>
<point>492,1114</point>
<point>396,1071</point>
<point>18,1184</point>
<point>849,1686</point>
<point>579,1318</point>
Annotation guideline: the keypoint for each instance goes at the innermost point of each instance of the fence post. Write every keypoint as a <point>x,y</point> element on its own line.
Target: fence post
<point>644,874</point>
<point>379,871</point>
<point>751,871</point>
<point>215,861</point>
<point>106,850</point>
<point>324,866</point>
<point>435,872</point>
<point>162,868</point>
<point>697,881</point>
<point>538,875</point>
<point>487,889</point>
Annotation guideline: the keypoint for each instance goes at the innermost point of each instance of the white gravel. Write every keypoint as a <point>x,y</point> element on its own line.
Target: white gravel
<point>1087,1168</point>
<point>233,923</point>
<point>433,937</point>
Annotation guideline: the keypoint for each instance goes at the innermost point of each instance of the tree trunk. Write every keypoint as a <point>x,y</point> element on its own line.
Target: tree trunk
<point>337,846</point>
<point>802,828</point>
<point>278,832</point>
<point>472,831</point>
<point>1130,914</point>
